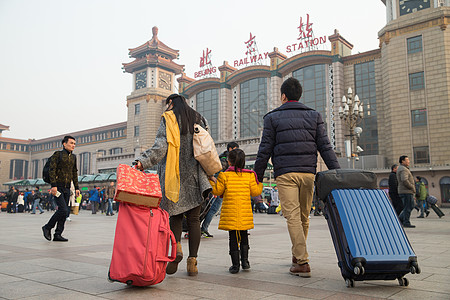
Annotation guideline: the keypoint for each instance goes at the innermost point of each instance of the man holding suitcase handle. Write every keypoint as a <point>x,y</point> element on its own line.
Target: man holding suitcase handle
<point>293,134</point>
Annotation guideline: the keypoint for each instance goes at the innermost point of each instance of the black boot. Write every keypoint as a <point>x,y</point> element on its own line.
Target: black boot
<point>244,257</point>
<point>235,261</point>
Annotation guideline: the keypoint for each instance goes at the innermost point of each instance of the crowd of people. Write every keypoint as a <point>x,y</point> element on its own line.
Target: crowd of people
<point>26,201</point>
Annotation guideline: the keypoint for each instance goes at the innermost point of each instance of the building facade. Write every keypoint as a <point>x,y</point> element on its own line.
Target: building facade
<point>403,85</point>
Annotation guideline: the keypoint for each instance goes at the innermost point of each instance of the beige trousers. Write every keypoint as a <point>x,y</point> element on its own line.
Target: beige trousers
<point>295,191</point>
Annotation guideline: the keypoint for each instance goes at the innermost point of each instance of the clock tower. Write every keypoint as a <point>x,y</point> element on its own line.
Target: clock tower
<point>153,80</point>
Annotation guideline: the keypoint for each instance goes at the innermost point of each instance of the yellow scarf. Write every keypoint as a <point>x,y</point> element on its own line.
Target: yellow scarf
<point>172,181</point>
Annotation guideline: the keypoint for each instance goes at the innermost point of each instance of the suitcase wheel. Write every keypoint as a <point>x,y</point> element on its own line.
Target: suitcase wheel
<point>403,281</point>
<point>129,282</point>
<point>349,283</point>
<point>415,268</point>
<point>358,269</point>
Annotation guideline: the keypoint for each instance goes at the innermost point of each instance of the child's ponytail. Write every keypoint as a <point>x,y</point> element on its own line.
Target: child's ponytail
<point>237,159</point>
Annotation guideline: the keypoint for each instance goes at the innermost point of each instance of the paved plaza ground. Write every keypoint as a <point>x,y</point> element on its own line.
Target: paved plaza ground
<point>33,268</point>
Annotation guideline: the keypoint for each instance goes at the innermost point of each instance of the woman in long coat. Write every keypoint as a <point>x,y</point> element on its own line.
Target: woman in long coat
<point>184,183</point>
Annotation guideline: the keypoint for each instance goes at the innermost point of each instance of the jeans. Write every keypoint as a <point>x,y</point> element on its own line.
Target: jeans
<point>109,211</point>
<point>36,203</point>
<point>295,191</point>
<point>421,204</point>
<point>408,205</point>
<point>59,217</point>
<point>217,204</point>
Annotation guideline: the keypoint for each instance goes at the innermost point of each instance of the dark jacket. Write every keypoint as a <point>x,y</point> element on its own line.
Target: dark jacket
<point>293,133</point>
<point>9,194</point>
<point>393,186</point>
<point>63,169</point>
<point>224,160</point>
<point>14,196</point>
<point>37,195</point>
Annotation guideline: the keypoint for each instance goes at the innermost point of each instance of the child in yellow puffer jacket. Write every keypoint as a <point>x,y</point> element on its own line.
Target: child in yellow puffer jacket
<point>237,185</point>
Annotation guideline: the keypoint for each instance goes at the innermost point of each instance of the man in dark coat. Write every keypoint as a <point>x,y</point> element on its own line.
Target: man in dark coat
<point>9,196</point>
<point>293,134</point>
<point>393,192</point>
<point>63,171</point>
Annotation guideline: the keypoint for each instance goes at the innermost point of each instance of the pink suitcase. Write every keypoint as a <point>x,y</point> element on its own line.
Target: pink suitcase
<point>141,246</point>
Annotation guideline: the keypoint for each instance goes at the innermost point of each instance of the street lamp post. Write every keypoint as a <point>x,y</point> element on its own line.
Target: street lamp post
<point>352,112</point>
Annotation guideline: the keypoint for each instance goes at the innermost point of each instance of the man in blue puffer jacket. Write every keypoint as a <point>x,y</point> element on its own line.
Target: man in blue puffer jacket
<point>293,134</point>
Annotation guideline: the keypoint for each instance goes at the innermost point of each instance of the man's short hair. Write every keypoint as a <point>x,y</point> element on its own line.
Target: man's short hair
<point>393,167</point>
<point>36,187</point>
<point>419,178</point>
<point>402,158</point>
<point>292,89</point>
<point>232,145</point>
<point>67,138</point>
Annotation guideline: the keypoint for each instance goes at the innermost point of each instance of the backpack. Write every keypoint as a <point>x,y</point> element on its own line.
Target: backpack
<point>205,151</point>
<point>46,170</point>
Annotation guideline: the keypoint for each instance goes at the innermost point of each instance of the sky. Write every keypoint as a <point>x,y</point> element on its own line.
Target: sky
<point>61,61</point>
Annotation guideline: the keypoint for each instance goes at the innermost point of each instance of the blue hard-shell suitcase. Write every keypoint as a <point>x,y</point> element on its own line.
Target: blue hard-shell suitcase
<point>369,240</point>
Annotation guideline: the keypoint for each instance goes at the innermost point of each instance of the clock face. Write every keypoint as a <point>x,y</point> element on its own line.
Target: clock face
<point>141,80</point>
<point>165,80</point>
<point>410,6</point>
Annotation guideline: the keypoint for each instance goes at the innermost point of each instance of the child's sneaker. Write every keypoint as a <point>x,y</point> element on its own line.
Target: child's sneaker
<point>206,234</point>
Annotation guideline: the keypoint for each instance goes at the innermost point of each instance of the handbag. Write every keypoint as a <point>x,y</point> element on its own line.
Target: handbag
<point>205,151</point>
<point>137,187</point>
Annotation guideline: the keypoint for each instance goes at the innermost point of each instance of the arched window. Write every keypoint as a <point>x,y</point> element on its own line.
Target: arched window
<point>85,163</point>
<point>253,106</point>
<point>115,151</point>
<point>444,183</point>
<point>208,107</point>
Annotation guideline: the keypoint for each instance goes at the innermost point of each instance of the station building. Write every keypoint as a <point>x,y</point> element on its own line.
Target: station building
<point>404,86</point>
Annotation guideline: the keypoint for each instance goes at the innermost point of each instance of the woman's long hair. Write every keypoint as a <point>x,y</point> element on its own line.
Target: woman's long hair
<point>236,158</point>
<point>185,115</point>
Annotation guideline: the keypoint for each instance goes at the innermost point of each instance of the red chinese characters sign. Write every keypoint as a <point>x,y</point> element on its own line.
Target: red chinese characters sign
<point>305,38</point>
<point>252,54</point>
<point>205,63</point>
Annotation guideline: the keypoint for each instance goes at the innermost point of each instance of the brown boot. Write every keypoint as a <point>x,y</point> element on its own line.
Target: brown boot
<point>301,270</point>
<point>172,266</point>
<point>192,266</point>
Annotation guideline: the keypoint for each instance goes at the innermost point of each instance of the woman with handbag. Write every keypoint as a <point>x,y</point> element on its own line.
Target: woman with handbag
<point>184,183</point>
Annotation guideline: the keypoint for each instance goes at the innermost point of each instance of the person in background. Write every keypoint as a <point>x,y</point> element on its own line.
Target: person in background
<point>14,198</point>
<point>94,199</point>
<point>27,204</point>
<point>103,200</point>
<point>20,203</point>
<point>393,190</point>
<point>274,197</point>
<point>422,196</point>
<point>109,193</point>
<point>36,201</point>
<point>406,190</point>
<point>9,196</point>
